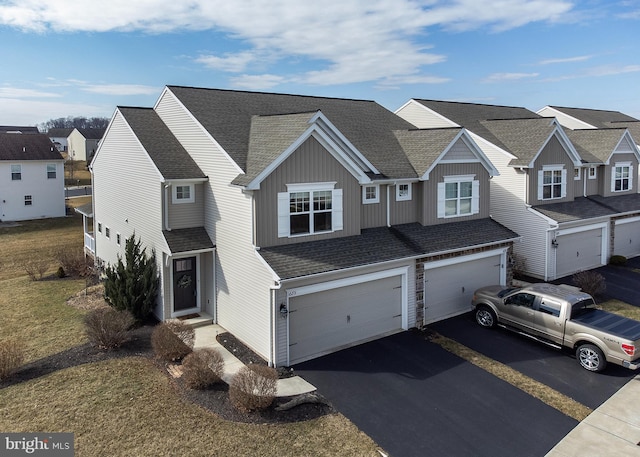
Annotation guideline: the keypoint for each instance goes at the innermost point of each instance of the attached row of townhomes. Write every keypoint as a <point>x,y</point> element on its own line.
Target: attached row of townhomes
<point>31,175</point>
<point>303,224</point>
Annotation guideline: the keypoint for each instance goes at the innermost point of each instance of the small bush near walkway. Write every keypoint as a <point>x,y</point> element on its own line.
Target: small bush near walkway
<point>108,328</point>
<point>11,357</point>
<point>253,388</point>
<point>167,345</point>
<point>183,331</point>
<point>202,368</point>
<point>590,282</point>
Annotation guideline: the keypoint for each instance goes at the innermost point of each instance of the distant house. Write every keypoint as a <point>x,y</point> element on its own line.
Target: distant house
<point>59,138</point>
<point>31,177</point>
<point>83,143</point>
<point>18,129</point>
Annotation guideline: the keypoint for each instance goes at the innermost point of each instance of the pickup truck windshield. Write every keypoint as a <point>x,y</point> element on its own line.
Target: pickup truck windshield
<point>582,307</point>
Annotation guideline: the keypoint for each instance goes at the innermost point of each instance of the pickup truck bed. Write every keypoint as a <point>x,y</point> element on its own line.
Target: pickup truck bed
<point>619,326</point>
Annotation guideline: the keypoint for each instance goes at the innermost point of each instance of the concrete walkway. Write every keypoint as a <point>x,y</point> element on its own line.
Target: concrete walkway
<point>611,430</point>
<point>205,337</point>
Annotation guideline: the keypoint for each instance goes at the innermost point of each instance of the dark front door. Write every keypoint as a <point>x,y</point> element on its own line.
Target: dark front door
<point>184,284</point>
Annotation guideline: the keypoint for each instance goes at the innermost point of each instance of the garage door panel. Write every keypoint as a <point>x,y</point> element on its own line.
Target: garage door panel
<point>449,289</point>
<point>578,251</point>
<point>627,239</point>
<point>322,321</point>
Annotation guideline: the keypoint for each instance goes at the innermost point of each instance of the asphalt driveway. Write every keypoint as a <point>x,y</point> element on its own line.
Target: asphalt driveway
<point>416,399</point>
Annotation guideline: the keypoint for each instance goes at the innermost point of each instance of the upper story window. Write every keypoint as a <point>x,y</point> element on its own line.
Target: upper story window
<point>16,172</point>
<point>592,172</point>
<point>622,178</point>
<point>371,194</point>
<point>458,196</point>
<point>552,182</point>
<point>51,171</point>
<point>307,209</point>
<point>184,194</point>
<point>403,192</point>
<point>577,174</point>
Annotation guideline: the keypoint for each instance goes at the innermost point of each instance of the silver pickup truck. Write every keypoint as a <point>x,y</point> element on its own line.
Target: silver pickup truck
<point>562,316</point>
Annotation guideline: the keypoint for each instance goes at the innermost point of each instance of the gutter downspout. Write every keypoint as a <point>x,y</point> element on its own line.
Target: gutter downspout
<point>274,309</point>
<point>388,207</point>
<point>166,207</point>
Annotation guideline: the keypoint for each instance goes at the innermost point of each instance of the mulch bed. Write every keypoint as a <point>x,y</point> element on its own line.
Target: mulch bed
<point>215,399</point>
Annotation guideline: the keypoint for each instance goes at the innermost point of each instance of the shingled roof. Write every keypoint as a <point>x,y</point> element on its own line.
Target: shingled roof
<point>229,115</point>
<point>595,145</point>
<point>424,146</point>
<point>171,159</point>
<point>33,146</point>
<point>600,119</point>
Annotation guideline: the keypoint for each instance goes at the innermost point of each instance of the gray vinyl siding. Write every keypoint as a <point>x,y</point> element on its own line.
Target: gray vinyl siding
<point>404,212</point>
<point>552,154</point>
<point>243,311</point>
<point>374,214</point>
<point>422,117</point>
<point>310,163</point>
<point>127,195</point>
<point>606,174</point>
<point>591,186</point>
<point>186,215</point>
<point>281,297</point>
<point>430,191</point>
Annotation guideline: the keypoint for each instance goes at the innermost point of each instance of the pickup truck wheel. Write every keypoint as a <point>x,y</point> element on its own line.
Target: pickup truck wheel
<point>486,317</point>
<point>591,357</point>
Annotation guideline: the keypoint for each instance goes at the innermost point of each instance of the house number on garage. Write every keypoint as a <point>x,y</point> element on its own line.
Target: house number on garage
<point>291,293</point>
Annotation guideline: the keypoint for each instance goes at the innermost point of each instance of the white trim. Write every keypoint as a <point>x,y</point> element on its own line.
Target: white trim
<point>613,176</point>
<point>178,201</point>
<point>595,173</point>
<point>577,177</point>
<point>366,201</point>
<point>470,258</point>
<point>403,198</point>
<point>311,186</point>
<point>284,208</point>
<point>420,105</point>
<point>627,220</point>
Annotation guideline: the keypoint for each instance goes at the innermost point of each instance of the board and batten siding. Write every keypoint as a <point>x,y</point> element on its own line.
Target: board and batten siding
<point>553,153</point>
<point>228,218</point>
<point>127,196</point>
<point>310,163</point>
<point>405,211</point>
<point>374,214</point>
<point>187,215</point>
<point>422,117</point>
<point>606,178</point>
<point>430,191</point>
<point>282,341</point>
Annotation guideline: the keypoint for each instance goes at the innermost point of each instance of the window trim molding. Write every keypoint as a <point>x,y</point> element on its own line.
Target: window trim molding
<point>475,196</point>
<point>577,177</point>
<point>627,164</point>
<point>370,201</point>
<point>178,201</point>
<point>284,214</point>
<point>595,173</point>
<point>28,200</point>
<point>403,198</point>
<point>563,182</point>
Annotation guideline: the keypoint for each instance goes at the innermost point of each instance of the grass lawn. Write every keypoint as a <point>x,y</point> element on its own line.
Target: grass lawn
<point>123,407</point>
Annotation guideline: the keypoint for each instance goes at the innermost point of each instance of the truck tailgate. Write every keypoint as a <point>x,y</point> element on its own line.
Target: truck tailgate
<point>619,326</point>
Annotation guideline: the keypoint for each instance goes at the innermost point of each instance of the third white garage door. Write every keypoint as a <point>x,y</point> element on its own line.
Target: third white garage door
<point>449,285</point>
<point>579,251</point>
<point>331,319</point>
<point>627,237</point>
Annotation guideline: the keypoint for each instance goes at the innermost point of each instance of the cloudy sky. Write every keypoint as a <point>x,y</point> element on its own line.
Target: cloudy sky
<point>83,58</point>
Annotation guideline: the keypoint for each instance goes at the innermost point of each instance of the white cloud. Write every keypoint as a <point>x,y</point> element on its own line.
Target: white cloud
<point>502,77</point>
<point>597,72</point>
<point>18,93</point>
<point>257,82</point>
<point>120,89</point>
<point>352,40</point>
<point>565,60</point>
<point>22,112</point>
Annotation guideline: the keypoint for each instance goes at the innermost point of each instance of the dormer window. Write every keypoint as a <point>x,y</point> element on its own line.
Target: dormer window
<point>622,178</point>
<point>308,209</point>
<point>552,182</point>
<point>458,196</point>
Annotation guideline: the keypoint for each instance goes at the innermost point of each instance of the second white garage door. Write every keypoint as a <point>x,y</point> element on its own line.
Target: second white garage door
<point>579,251</point>
<point>449,287</point>
<point>328,320</point>
<point>627,237</point>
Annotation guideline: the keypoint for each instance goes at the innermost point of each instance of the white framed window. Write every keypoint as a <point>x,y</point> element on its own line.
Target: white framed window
<point>118,239</point>
<point>307,209</point>
<point>99,227</point>
<point>184,194</point>
<point>16,172</point>
<point>403,192</point>
<point>552,182</point>
<point>577,174</point>
<point>371,194</point>
<point>458,196</point>
<point>51,171</point>
<point>28,200</point>
<point>592,173</point>
<point>621,177</point>
<point>107,232</point>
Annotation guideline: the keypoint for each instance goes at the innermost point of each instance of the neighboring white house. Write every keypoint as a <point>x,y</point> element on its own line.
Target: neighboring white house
<point>31,177</point>
<point>300,224</point>
<point>59,138</point>
<point>83,143</point>
<point>566,200</point>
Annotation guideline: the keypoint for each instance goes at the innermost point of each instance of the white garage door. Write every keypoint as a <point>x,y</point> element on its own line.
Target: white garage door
<point>326,321</point>
<point>448,289</point>
<point>627,238</point>
<point>578,251</point>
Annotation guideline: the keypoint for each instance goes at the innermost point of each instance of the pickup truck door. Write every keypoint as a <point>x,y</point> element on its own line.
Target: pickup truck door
<point>518,311</point>
<point>549,320</point>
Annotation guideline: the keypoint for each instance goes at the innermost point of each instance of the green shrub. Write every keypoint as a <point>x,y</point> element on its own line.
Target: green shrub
<point>167,345</point>
<point>183,331</point>
<point>253,387</point>
<point>202,368</point>
<point>617,260</point>
<point>108,328</point>
<point>590,282</point>
<point>11,357</point>
<point>60,273</point>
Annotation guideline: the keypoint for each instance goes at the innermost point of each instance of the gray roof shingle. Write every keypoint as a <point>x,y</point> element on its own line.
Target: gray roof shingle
<point>598,118</point>
<point>188,240</point>
<point>619,203</point>
<point>171,159</point>
<point>381,244</point>
<point>32,146</point>
<point>424,146</point>
<point>228,116</point>
<point>579,209</point>
<point>595,145</point>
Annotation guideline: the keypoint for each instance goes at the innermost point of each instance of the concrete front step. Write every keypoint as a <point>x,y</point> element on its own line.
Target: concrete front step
<point>201,320</point>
